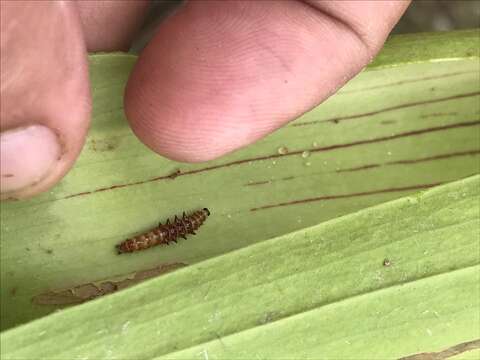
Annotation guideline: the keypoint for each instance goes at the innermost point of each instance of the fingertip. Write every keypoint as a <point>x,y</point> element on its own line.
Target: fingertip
<point>182,137</point>
<point>220,75</point>
<point>45,95</point>
<point>192,99</point>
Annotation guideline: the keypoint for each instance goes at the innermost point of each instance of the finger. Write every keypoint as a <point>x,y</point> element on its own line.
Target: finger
<point>221,75</point>
<point>45,95</point>
<point>111,24</point>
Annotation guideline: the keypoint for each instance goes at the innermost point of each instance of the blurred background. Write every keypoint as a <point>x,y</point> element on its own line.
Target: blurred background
<point>421,16</point>
<point>439,15</point>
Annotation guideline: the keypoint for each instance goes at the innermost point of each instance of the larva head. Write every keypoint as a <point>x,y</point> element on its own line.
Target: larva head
<point>206,211</point>
<point>119,249</point>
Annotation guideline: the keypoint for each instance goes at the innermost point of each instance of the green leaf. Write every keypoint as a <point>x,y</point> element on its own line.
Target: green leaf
<point>408,122</point>
<point>322,292</point>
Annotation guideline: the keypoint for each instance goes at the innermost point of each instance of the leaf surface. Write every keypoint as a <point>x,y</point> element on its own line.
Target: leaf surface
<point>322,292</point>
<point>409,122</point>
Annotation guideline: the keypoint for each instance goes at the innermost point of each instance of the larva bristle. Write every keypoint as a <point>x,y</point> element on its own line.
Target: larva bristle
<point>180,227</point>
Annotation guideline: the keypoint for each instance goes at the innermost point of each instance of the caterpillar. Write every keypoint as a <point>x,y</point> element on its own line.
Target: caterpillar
<point>166,233</point>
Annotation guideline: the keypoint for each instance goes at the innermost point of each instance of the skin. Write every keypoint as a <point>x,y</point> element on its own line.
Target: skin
<point>222,70</point>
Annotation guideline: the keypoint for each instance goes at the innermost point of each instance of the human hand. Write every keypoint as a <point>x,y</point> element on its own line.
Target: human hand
<point>217,76</point>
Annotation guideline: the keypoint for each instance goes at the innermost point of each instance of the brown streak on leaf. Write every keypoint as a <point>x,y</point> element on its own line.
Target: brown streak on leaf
<point>258,183</point>
<point>444,354</point>
<point>392,108</point>
<point>438,114</point>
<point>85,292</point>
<point>413,161</point>
<point>364,167</point>
<point>436,157</point>
<point>291,153</point>
<point>113,187</point>
<point>407,82</point>
<point>174,174</point>
<point>269,181</point>
<point>78,194</point>
<point>344,196</point>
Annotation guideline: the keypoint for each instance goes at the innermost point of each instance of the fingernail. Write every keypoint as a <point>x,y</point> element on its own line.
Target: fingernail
<point>27,155</point>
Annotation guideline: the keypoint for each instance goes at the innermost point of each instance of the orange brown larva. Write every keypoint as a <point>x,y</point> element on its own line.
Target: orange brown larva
<point>164,234</point>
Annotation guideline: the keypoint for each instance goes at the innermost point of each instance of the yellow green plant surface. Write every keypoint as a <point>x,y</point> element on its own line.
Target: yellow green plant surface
<point>409,122</point>
<point>327,291</point>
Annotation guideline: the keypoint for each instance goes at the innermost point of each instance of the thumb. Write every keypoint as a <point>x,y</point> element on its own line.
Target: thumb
<point>45,95</point>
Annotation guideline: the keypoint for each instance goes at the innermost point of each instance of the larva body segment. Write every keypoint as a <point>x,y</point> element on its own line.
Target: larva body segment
<point>166,233</point>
